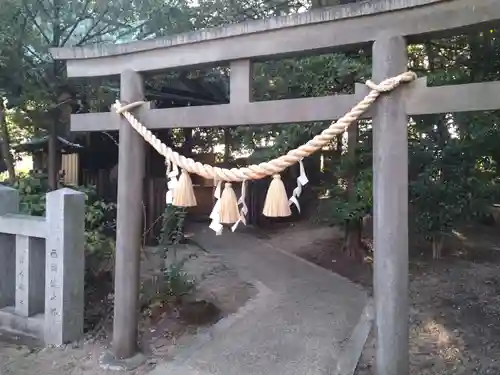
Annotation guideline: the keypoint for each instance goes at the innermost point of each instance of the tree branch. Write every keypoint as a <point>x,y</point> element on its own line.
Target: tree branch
<point>34,53</point>
<point>46,11</point>
<point>136,28</point>
<point>35,69</point>
<point>33,19</point>
<point>76,23</point>
<point>88,34</point>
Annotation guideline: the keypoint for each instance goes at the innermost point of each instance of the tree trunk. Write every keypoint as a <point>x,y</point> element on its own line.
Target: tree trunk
<point>5,145</point>
<point>38,162</point>
<point>54,161</point>
<point>437,246</point>
<point>354,227</point>
<point>187,147</point>
<point>352,240</point>
<point>227,144</point>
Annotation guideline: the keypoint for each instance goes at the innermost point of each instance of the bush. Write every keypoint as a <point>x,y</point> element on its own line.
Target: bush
<point>335,208</point>
<point>99,216</point>
<point>176,282</point>
<point>448,191</point>
<point>172,230</point>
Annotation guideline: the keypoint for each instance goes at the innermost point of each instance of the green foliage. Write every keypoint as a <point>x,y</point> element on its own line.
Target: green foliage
<point>298,78</point>
<point>100,223</point>
<point>454,158</point>
<point>99,215</point>
<point>177,281</point>
<point>172,229</point>
<point>32,189</point>
<point>340,205</point>
<point>174,284</point>
<point>450,190</point>
<point>210,13</point>
<point>336,208</point>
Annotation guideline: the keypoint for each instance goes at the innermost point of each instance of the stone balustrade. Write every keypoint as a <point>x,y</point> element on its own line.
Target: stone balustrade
<point>42,267</point>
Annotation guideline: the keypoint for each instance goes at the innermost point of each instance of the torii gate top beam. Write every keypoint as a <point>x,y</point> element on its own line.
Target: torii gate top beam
<point>312,32</point>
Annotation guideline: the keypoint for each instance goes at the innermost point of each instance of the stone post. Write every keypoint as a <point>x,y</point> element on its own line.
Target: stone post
<point>240,80</point>
<point>131,165</point>
<point>9,203</point>
<point>64,266</point>
<point>30,275</point>
<point>390,189</point>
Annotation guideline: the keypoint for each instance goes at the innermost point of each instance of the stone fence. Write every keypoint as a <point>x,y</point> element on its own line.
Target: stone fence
<point>42,267</point>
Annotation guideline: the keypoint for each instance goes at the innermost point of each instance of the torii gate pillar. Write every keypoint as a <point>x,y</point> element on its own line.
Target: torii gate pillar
<point>131,156</point>
<point>390,211</point>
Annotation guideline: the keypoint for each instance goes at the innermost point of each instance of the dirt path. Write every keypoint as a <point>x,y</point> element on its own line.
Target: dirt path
<point>454,319</point>
<point>162,333</point>
<point>298,327</point>
<point>84,360</point>
<point>455,302</point>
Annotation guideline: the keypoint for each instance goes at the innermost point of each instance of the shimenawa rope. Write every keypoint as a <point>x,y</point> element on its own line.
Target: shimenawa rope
<point>272,167</point>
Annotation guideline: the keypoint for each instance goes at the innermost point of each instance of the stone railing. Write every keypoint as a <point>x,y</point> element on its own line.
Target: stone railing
<point>42,267</point>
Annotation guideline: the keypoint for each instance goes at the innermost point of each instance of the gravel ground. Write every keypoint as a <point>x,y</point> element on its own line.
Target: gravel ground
<point>455,302</point>
<point>161,335</point>
<point>454,319</point>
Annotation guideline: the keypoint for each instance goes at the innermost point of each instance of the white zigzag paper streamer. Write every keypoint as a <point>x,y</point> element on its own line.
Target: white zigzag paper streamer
<point>215,225</point>
<point>172,183</point>
<point>301,181</point>
<point>244,208</point>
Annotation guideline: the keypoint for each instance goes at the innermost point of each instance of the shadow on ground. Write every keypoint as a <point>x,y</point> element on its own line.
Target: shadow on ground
<point>455,301</point>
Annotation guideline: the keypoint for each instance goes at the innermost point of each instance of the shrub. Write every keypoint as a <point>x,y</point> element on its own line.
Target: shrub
<point>99,216</point>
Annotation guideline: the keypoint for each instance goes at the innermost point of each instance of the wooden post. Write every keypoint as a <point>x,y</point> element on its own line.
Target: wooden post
<point>131,156</point>
<point>390,189</point>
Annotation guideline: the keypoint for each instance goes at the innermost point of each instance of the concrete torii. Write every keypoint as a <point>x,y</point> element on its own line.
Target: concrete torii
<point>390,25</point>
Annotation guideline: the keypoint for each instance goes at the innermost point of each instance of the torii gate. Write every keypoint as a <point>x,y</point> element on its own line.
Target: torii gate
<point>387,23</point>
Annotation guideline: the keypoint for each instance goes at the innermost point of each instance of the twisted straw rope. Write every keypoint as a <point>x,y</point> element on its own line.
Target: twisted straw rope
<point>275,166</point>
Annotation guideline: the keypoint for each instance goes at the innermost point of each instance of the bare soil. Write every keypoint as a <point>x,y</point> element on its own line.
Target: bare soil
<point>165,327</point>
<point>455,301</point>
<point>454,312</point>
<point>455,309</point>
<point>320,245</point>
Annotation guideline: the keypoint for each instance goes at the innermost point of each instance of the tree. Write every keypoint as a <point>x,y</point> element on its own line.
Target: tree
<point>53,25</point>
<point>39,86</point>
<point>10,28</point>
<point>453,157</point>
<point>4,143</point>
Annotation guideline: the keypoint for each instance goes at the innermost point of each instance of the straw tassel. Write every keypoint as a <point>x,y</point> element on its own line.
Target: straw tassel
<point>184,192</point>
<point>276,204</point>
<point>229,211</point>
